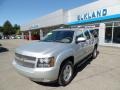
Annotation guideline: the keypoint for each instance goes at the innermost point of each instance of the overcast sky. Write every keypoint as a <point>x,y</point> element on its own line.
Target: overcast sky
<point>22,11</point>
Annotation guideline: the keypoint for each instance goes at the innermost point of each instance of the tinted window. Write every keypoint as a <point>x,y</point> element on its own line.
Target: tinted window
<point>59,36</point>
<point>108,35</point>
<point>94,32</point>
<point>116,35</point>
<point>87,34</point>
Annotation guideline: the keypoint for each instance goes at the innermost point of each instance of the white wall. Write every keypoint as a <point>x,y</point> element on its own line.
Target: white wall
<point>101,33</point>
<point>55,18</point>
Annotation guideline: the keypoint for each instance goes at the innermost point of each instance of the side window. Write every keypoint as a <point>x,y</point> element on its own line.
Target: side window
<point>94,32</point>
<point>87,34</point>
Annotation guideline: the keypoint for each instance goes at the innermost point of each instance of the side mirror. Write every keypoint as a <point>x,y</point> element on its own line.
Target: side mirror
<point>80,39</point>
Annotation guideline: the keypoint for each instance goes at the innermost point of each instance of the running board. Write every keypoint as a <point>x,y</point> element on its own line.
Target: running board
<point>84,60</point>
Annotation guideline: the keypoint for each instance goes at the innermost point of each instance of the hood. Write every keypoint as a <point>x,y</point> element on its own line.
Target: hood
<point>42,48</point>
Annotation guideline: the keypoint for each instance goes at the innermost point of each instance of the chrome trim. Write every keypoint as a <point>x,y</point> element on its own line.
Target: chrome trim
<point>25,61</point>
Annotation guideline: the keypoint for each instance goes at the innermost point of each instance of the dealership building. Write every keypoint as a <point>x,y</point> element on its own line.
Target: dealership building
<point>103,15</point>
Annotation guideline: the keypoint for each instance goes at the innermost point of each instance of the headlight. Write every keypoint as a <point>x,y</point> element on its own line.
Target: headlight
<point>46,62</point>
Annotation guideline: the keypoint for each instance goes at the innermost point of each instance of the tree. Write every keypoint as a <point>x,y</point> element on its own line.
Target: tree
<point>1,29</point>
<point>16,29</point>
<point>7,28</point>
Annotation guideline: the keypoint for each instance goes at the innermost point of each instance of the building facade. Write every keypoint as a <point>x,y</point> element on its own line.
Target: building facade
<point>103,15</point>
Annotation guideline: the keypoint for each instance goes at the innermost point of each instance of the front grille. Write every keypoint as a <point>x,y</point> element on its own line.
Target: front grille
<point>25,61</point>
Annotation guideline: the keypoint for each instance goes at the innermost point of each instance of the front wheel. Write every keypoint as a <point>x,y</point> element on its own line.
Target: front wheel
<point>66,73</point>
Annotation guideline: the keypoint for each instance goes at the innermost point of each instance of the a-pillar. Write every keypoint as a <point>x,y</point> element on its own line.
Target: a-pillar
<point>41,34</point>
<point>29,35</point>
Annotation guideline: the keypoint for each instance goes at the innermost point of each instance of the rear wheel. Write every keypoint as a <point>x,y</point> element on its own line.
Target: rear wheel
<point>66,73</point>
<point>94,54</point>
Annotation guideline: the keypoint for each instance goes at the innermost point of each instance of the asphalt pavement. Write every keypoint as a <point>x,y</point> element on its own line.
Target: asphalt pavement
<point>102,73</point>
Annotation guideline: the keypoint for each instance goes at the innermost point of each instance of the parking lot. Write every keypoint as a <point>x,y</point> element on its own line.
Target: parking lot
<point>102,73</point>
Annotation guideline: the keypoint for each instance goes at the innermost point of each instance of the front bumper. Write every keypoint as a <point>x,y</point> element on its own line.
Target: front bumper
<point>38,74</point>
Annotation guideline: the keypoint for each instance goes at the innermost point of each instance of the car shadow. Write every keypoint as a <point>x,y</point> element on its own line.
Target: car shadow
<point>78,68</point>
<point>50,84</point>
<point>82,65</point>
<point>2,49</point>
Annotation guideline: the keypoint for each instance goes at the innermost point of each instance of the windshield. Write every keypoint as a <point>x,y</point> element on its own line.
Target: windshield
<point>59,36</point>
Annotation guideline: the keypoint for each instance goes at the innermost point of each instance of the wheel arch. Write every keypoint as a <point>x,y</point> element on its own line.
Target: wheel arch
<point>70,58</point>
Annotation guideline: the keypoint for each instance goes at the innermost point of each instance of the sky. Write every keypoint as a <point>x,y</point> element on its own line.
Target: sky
<point>23,11</point>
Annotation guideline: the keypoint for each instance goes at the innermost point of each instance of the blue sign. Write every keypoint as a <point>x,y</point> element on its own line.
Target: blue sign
<point>91,15</point>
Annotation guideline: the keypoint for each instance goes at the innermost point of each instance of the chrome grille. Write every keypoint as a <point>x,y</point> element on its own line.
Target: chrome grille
<point>25,61</point>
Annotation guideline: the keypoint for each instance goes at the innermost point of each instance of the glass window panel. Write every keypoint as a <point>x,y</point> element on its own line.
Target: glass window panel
<point>108,35</point>
<point>116,35</point>
<point>117,24</point>
<point>109,24</point>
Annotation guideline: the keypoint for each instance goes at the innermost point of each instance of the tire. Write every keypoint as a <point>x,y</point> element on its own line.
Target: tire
<point>66,74</point>
<point>94,53</point>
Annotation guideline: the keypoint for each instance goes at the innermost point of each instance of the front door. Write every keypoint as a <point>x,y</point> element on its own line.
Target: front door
<point>79,48</point>
<point>88,44</point>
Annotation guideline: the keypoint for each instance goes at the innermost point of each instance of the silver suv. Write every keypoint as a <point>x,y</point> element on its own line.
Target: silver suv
<point>54,57</point>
